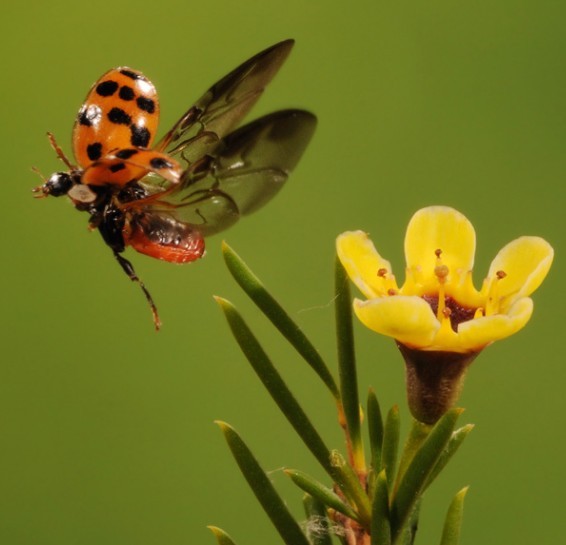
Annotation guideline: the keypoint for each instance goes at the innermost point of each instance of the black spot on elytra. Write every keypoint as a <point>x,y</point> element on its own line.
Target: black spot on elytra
<point>94,151</point>
<point>117,167</point>
<point>126,93</point>
<point>146,104</point>
<point>159,162</point>
<point>131,75</point>
<point>119,116</point>
<point>83,119</point>
<point>106,88</point>
<point>140,136</point>
<point>125,153</point>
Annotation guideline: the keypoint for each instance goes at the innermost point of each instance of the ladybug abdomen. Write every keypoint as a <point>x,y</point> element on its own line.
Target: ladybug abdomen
<point>164,238</point>
<point>120,111</point>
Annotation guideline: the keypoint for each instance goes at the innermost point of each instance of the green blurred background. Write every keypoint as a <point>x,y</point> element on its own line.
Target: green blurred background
<point>107,428</point>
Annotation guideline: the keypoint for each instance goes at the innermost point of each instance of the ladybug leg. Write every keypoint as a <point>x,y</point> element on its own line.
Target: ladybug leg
<point>128,268</point>
<point>59,151</point>
<point>199,169</point>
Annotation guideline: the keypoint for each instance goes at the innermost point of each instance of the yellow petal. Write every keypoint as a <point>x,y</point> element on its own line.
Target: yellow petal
<point>480,332</point>
<point>408,319</point>
<point>439,228</point>
<point>362,263</point>
<point>526,262</point>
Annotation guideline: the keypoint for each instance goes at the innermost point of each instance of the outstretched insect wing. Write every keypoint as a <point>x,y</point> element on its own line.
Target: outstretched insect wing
<point>256,160</point>
<point>224,105</point>
<point>246,170</point>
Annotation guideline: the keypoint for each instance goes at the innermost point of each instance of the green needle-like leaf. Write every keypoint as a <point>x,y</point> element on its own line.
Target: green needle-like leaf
<point>324,494</point>
<point>375,425</point>
<point>275,385</point>
<point>251,284</point>
<point>222,538</point>
<point>453,522</point>
<point>420,467</point>
<point>347,363</point>
<point>417,435</point>
<point>453,445</point>
<point>317,521</point>
<point>410,530</point>
<point>273,505</point>
<point>390,447</point>
<point>380,526</point>
<point>349,483</point>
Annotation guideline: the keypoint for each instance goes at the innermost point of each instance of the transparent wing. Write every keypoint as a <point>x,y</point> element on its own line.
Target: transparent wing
<point>223,106</point>
<point>247,169</point>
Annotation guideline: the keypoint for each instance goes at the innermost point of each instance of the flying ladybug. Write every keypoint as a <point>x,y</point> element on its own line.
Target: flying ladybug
<point>164,199</point>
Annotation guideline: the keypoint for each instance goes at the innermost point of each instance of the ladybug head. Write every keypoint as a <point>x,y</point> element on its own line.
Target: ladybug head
<point>66,183</point>
<point>58,184</point>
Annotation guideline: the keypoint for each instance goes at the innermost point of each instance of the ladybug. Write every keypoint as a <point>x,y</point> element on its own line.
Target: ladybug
<point>163,199</point>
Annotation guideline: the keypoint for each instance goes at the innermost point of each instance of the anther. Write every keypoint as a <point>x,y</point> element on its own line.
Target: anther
<point>441,272</point>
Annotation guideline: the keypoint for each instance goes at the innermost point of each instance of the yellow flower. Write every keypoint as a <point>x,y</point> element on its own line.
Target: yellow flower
<point>438,308</point>
<point>440,321</point>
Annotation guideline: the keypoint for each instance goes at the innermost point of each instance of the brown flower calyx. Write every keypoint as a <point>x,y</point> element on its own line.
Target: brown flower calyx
<point>434,380</point>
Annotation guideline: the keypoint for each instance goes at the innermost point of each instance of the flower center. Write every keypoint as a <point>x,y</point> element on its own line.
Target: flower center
<point>446,308</point>
<point>451,310</point>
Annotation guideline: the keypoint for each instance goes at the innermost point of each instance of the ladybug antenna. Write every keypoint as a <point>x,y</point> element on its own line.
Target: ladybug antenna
<point>38,172</point>
<point>128,268</point>
<point>59,151</point>
<point>40,188</point>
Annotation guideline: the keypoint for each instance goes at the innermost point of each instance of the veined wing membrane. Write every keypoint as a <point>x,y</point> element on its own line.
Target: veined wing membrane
<point>223,106</point>
<point>248,168</point>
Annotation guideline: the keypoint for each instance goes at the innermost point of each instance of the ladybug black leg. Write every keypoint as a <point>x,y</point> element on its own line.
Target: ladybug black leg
<point>128,268</point>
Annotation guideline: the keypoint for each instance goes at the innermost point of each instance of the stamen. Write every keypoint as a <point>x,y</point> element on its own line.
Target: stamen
<point>492,303</point>
<point>389,285</point>
<point>441,272</point>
